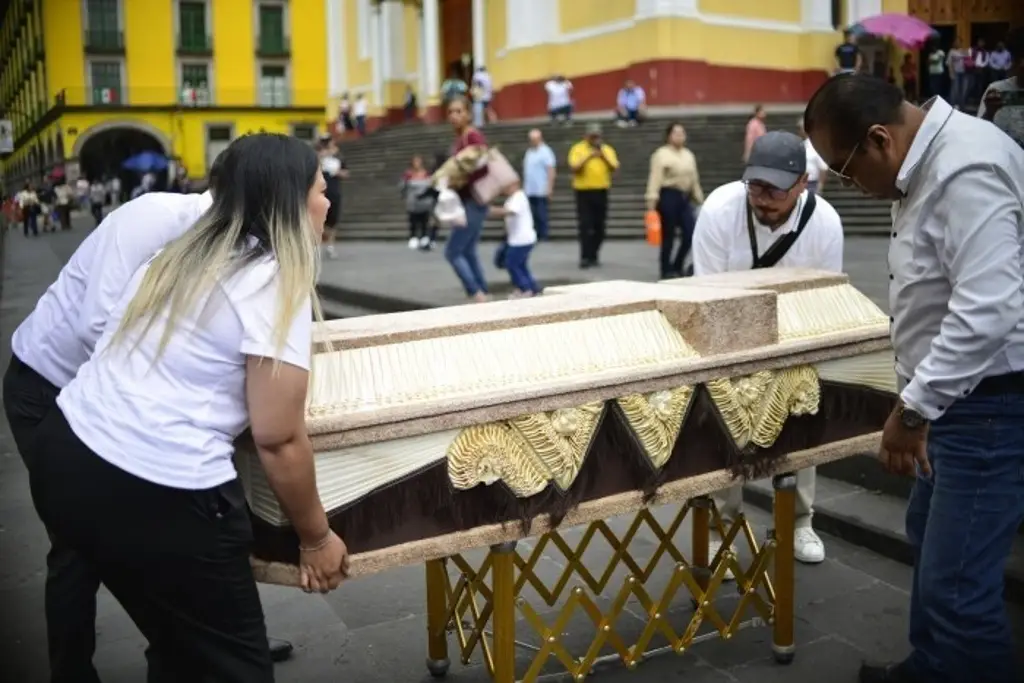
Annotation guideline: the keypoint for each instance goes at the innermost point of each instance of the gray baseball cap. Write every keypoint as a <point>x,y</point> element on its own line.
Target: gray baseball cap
<point>778,159</point>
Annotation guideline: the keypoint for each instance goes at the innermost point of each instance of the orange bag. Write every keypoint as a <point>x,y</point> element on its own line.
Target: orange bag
<point>652,228</point>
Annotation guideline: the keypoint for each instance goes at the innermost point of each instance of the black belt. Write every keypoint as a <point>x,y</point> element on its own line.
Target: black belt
<point>1010,383</point>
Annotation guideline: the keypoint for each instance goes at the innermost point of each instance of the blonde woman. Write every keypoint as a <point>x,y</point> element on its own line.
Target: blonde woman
<point>134,469</point>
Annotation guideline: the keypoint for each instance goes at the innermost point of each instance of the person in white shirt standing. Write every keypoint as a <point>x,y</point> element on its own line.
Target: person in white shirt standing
<point>483,93</point>
<point>520,238</point>
<point>956,297</point>
<point>559,90</point>
<point>770,219</point>
<point>133,471</point>
<point>817,169</point>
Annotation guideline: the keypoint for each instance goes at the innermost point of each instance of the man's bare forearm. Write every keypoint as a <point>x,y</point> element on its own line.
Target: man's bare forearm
<point>292,477</point>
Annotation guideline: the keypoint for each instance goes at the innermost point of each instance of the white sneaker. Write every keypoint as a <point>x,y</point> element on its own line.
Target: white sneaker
<point>713,547</point>
<point>424,242</point>
<point>330,251</point>
<point>807,546</point>
<point>414,243</point>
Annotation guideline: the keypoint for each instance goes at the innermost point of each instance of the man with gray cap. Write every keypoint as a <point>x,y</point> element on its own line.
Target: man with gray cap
<point>770,219</point>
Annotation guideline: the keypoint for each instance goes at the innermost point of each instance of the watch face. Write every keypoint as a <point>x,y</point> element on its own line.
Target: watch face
<point>911,418</point>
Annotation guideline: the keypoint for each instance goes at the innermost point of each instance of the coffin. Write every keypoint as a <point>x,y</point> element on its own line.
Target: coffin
<point>434,423</point>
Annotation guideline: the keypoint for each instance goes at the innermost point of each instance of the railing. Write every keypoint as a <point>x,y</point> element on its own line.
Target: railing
<point>195,45</point>
<point>104,41</point>
<point>106,96</point>
<point>191,97</point>
<point>273,46</point>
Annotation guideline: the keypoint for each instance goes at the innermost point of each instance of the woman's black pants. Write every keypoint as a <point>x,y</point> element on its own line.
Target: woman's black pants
<point>177,560</point>
<point>677,221</point>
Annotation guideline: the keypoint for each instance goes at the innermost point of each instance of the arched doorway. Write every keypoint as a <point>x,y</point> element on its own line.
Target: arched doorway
<point>102,150</point>
<point>456,38</point>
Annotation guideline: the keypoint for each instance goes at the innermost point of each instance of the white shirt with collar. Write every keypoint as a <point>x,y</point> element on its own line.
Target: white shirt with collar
<point>956,260</point>
<point>721,242</point>
<point>172,419</point>
<point>60,333</point>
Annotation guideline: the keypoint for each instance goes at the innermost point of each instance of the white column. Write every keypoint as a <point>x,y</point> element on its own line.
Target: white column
<point>376,56</point>
<point>431,49</point>
<point>479,33</point>
<point>421,60</point>
<point>393,40</point>
<point>337,63</point>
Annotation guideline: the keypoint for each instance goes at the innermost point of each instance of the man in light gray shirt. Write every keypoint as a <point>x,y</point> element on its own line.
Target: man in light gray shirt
<point>956,294</point>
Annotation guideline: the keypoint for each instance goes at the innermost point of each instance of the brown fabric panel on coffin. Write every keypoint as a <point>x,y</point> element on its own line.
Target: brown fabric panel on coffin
<point>425,504</point>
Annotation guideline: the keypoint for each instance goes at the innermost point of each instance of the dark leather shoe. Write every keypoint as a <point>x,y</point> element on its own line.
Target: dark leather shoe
<point>885,673</point>
<point>280,650</point>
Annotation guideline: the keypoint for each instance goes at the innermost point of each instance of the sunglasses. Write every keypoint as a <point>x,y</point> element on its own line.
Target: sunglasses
<point>758,189</point>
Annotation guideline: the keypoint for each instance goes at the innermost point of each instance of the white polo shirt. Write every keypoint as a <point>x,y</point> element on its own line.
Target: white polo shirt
<point>172,420</point>
<point>721,242</point>
<point>60,333</point>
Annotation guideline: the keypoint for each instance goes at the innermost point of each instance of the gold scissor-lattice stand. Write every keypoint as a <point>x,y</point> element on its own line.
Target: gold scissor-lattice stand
<point>484,608</point>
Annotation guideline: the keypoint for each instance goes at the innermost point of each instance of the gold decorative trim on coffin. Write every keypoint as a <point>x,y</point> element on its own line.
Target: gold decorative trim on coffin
<point>656,419</point>
<point>527,453</point>
<point>755,408</point>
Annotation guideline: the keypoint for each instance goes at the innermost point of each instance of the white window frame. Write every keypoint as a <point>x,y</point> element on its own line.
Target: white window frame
<point>286,64</point>
<point>207,21</point>
<point>180,66</point>
<point>286,18</point>
<point>85,17</point>
<point>122,71</point>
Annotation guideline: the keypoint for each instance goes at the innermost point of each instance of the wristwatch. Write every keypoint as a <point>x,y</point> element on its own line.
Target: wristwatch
<point>910,418</point>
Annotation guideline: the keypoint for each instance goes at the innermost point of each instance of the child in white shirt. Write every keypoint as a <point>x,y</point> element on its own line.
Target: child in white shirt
<point>520,237</point>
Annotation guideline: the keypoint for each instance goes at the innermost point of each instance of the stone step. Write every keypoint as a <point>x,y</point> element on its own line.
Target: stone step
<point>874,520</point>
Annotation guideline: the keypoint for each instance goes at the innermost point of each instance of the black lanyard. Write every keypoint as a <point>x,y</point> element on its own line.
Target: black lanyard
<point>782,245</point>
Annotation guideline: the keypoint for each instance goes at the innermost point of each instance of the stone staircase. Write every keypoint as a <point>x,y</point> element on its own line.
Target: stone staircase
<point>372,208</point>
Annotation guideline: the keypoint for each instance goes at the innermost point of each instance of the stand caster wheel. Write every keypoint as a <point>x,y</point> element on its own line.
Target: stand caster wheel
<point>438,668</point>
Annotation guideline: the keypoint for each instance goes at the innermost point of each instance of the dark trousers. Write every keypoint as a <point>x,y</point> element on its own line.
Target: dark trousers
<point>71,583</point>
<point>418,224</point>
<point>97,212</point>
<point>936,85</point>
<point>591,219</point>
<point>176,560</point>
<point>30,221</point>
<point>677,221</point>
<point>64,212</point>
<point>961,524</point>
<point>539,211</point>
<point>517,262</point>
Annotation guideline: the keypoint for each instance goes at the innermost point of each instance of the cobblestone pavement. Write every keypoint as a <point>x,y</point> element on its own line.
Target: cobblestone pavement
<point>373,630</point>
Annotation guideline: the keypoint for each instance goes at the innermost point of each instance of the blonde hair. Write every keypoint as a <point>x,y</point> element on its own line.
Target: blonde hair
<point>259,211</point>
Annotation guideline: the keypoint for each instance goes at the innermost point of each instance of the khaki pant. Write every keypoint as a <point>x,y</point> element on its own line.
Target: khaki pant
<point>730,500</point>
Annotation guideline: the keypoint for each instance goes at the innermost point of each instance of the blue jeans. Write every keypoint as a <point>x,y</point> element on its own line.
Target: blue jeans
<point>961,524</point>
<point>517,262</point>
<point>461,248</point>
<point>961,89</point>
<point>539,210</point>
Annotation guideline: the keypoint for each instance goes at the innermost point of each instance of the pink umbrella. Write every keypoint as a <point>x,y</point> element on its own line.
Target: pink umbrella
<point>910,32</point>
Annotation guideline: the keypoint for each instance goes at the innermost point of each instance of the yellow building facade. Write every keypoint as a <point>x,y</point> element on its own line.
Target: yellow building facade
<point>88,82</point>
<point>680,51</point>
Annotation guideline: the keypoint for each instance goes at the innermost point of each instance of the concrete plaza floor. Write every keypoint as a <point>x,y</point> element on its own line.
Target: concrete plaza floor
<point>373,630</point>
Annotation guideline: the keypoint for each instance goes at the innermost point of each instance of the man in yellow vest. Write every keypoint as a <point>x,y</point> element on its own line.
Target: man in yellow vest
<point>593,162</point>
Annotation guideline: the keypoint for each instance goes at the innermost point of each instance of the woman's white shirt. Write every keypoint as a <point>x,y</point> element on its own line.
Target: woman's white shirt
<point>174,422</point>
